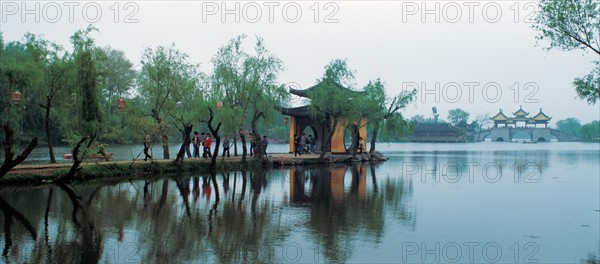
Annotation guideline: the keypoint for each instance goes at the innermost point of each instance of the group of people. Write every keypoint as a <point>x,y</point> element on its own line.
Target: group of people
<point>205,140</point>
<point>254,144</point>
<point>304,144</point>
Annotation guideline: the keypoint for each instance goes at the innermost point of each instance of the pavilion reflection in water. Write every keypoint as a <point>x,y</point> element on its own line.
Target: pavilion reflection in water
<point>329,183</point>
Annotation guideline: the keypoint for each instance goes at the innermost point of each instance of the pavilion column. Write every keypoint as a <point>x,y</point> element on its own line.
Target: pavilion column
<point>292,132</point>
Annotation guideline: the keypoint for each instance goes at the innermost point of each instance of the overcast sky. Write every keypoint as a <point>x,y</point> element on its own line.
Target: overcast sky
<point>479,55</point>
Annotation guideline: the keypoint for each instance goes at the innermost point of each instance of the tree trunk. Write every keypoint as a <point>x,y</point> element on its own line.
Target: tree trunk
<point>374,137</point>
<point>48,107</point>
<point>259,151</point>
<point>9,163</point>
<point>76,160</point>
<point>327,141</point>
<point>187,129</point>
<point>355,134</point>
<point>235,147</point>
<point>215,154</point>
<point>244,147</point>
<point>10,90</point>
<point>215,132</point>
<point>165,141</point>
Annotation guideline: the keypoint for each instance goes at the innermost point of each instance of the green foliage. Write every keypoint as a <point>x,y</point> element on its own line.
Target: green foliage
<point>573,126</point>
<point>239,75</point>
<point>590,130</point>
<point>570,24</point>
<point>338,71</point>
<point>456,116</point>
<point>261,84</point>
<point>395,128</point>
<point>573,25</point>
<point>169,82</point>
<point>569,125</point>
<point>418,119</point>
<point>588,87</point>
<point>87,79</point>
<point>383,111</point>
<point>374,107</point>
<point>329,100</point>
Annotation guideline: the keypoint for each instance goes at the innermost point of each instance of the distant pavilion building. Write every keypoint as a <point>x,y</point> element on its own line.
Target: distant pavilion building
<point>521,119</point>
<point>436,132</point>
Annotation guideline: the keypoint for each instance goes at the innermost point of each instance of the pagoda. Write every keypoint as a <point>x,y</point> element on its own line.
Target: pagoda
<point>520,119</point>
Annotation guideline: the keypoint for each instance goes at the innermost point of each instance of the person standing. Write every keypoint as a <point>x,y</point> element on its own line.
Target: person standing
<point>297,145</point>
<point>207,144</point>
<point>252,144</point>
<point>226,146</point>
<point>311,144</point>
<point>303,143</point>
<point>147,146</point>
<point>196,142</point>
<point>265,144</point>
<point>202,138</point>
<point>361,145</point>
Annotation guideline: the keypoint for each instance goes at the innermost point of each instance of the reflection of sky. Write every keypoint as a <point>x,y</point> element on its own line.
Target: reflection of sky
<point>556,211</point>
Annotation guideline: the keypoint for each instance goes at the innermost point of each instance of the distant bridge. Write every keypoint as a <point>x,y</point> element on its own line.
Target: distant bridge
<point>535,134</point>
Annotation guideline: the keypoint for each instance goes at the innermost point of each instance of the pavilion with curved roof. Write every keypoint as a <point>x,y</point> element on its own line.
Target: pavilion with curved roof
<point>521,118</point>
<point>300,120</point>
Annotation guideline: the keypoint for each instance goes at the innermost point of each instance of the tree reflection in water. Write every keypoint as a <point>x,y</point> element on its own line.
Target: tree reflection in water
<point>338,216</point>
<point>239,216</point>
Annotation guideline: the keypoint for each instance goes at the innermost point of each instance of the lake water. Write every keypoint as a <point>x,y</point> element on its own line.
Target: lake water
<point>479,203</point>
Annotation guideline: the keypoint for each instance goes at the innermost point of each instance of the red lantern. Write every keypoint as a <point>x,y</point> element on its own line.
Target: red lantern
<point>285,121</point>
<point>17,97</point>
<point>121,104</point>
<point>219,105</point>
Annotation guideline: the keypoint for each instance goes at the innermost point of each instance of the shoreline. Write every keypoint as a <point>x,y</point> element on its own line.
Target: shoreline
<point>37,174</point>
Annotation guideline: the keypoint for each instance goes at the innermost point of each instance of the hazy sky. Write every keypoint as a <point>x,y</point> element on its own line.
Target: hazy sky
<point>476,55</point>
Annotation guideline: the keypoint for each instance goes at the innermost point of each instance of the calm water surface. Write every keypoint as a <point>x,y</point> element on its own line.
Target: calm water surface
<point>482,203</point>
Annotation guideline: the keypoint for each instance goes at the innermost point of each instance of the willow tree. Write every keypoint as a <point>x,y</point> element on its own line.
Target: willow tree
<point>84,123</point>
<point>329,102</point>
<point>189,100</point>
<point>164,70</point>
<point>457,116</point>
<point>247,84</point>
<point>14,74</point>
<point>117,81</point>
<point>383,110</point>
<point>262,87</point>
<point>226,85</point>
<point>87,80</point>
<point>570,25</point>
<point>52,66</point>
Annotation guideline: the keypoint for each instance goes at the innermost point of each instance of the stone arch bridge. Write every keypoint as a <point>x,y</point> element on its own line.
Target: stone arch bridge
<point>535,134</point>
